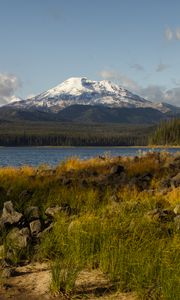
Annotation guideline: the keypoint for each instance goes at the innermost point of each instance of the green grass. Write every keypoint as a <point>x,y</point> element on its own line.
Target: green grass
<point>136,254</point>
<point>107,228</point>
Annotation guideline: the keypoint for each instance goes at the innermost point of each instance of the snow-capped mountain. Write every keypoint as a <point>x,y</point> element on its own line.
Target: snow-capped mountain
<point>81,91</point>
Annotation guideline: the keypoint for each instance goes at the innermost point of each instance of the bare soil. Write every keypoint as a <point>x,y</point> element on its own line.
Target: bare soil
<point>32,282</point>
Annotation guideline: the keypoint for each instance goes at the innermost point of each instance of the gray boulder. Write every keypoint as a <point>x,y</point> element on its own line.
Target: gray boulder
<point>52,211</point>
<point>35,227</point>
<point>117,170</point>
<point>18,238</point>
<point>9,215</point>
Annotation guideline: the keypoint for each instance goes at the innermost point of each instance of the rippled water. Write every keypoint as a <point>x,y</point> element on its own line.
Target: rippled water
<point>34,156</point>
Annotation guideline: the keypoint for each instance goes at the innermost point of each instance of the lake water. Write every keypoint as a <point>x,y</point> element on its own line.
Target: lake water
<point>34,156</point>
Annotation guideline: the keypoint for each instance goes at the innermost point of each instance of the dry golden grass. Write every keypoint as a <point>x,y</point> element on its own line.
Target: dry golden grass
<point>143,165</point>
<point>173,197</point>
<point>105,228</point>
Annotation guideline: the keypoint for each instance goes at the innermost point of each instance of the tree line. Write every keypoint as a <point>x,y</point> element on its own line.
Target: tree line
<point>70,140</point>
<point>167,133</point>
<point>72,134</point>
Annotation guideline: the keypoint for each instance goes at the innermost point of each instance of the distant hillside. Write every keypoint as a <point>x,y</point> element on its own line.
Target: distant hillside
<point>85,114</point>
<point>104,114</point>
<point>167,133</point>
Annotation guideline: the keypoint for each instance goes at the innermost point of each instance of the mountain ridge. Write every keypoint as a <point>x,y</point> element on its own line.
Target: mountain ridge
<point>82,91</point>
<point>85,114</point>
<point>78,99</point>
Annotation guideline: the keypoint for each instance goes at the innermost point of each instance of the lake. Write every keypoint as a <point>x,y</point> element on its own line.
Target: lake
<point>34,156</point>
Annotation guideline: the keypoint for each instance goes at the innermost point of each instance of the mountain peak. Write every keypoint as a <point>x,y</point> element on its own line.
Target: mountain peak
<point>82,91</point>
<point>78,85</point>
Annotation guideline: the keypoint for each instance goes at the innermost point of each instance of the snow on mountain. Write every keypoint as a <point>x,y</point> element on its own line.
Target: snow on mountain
<point>15,99</point>
<point>77,90</point>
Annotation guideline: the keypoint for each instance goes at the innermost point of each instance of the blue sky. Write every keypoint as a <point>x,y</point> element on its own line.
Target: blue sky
<point>135,43</point>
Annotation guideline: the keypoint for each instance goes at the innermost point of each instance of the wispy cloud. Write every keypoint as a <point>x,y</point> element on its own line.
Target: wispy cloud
<point>169,34</point>
<point>9,84</point>
<point>155,93</point>
<point>162,67</point>
<point>178,33</point>
<point>122,79</point>
<point>176,82</point>
<point>137,67</point>
<point>158,93</point>
<point>172,96</point>
<point>108,74</point>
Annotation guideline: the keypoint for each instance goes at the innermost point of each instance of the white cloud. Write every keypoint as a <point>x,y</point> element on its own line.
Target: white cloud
<point>158,93</point>
<point>122,79</point>
<point>172,96</point>
<point>107,74</point>
<point>155,93</point>
<point>161,67</point>
<point>169,34</point>
<point>9,84</point>
<point>178,33</point>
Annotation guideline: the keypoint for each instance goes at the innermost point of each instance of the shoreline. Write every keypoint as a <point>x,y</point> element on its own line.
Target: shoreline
<point>91,147</point>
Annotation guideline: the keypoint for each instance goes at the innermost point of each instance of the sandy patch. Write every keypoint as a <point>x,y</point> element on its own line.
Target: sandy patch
<point>32,282</point>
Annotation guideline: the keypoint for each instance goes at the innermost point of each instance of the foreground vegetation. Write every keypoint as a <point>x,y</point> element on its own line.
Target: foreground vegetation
<point>118,215</point>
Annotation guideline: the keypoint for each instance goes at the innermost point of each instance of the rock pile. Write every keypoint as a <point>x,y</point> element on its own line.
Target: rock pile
<point>22,231</point>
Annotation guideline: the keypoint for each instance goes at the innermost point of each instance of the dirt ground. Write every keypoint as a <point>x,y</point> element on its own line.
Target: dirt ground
<point>32,282</point>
